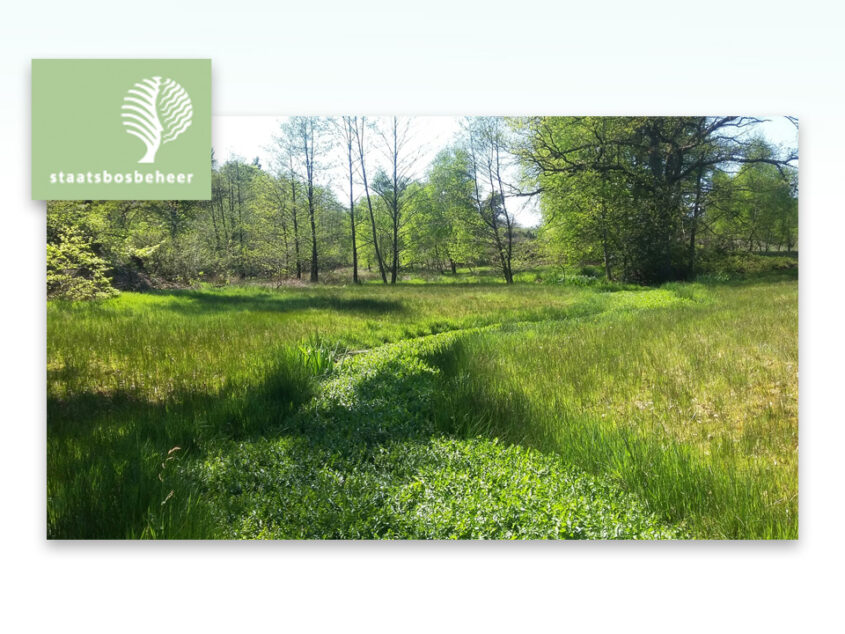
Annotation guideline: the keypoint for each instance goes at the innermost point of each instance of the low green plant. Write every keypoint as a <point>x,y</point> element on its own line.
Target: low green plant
<point>321,357</point>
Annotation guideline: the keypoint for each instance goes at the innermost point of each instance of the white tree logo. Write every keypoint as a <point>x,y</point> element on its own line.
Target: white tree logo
<point>156,111</point>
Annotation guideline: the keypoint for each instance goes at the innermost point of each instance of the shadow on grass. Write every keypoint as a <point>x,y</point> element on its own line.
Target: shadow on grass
<point>201,302</point>
<point>112,459</point>
<point>113,472</point>
<point>366,460</point>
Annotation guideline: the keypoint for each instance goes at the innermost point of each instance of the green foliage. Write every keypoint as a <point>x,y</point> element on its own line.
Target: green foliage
<point>131,377</point>
<point>74,271</point>
<point>757,207</point>
<point>443,226</point>
<point>456,404</point>
<point>644,199</point>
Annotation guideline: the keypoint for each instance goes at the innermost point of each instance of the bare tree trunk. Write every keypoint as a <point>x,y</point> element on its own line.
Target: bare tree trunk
<point>604,242</point>
<point>216,232</point>
<point>314,272</point>
<point>394,269</point>
<point>295,222</point>
<point>348,135</point>
<point>308,135</point>
<point>509,223</point>
<point>494,224</point>
<point>696,212</point>
<point>359,136</point>
<point>491,220</point>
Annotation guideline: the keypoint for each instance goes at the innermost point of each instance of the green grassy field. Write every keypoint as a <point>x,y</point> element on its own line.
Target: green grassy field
<point>426,410</point>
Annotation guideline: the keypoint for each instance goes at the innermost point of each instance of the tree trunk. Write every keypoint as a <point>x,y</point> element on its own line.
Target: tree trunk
<point>360,139</point>
<point>314,272</point>
<point>295,224</point>
<point>394,268</point>
<point>696,212</point>
<point>308,135</point>
<point>352,213</point>
<point>509,231</point>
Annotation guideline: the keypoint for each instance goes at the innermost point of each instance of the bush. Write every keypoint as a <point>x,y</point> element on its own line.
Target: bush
<point>74,271</point>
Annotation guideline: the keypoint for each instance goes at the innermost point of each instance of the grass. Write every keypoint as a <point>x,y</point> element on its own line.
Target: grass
<point>693,406</point>
<point>430,410</point>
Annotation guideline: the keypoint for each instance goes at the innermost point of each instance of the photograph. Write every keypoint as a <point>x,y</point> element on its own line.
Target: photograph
<point>430,328</point>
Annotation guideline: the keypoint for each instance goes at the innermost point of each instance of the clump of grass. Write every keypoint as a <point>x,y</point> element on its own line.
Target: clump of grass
<point>320,357</point>
<point>130,377</point>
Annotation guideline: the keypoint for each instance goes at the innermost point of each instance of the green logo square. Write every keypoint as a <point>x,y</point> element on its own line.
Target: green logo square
<point>121,129</point>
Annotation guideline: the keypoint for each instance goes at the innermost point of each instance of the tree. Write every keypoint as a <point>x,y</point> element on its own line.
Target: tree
<point>755,208</point>
<point>485,149</point>
<point>303,136</point>
<point>346,130</point>
<point>645,198</point>
<point>392,184</point>
<point>444,226</point>
<point>76,268</point>
<point>360,127</point>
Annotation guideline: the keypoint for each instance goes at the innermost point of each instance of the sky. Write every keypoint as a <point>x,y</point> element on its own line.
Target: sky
<point>248,137</point>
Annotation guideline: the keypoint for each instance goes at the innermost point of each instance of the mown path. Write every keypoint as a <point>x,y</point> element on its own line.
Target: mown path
<point>367,459</point>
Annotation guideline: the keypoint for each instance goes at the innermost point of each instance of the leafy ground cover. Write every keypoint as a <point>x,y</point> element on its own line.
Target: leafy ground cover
<point>425,411</point>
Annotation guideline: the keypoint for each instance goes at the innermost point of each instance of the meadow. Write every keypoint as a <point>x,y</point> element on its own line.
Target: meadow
<point>469,409</point>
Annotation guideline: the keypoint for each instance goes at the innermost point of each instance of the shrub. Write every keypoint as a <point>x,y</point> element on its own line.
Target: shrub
<point>74,271</point>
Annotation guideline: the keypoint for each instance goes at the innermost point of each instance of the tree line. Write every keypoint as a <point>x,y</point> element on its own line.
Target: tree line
<point>644,197</point>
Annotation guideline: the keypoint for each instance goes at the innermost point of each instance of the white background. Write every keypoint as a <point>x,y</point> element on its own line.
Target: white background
<point>439,57</point>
